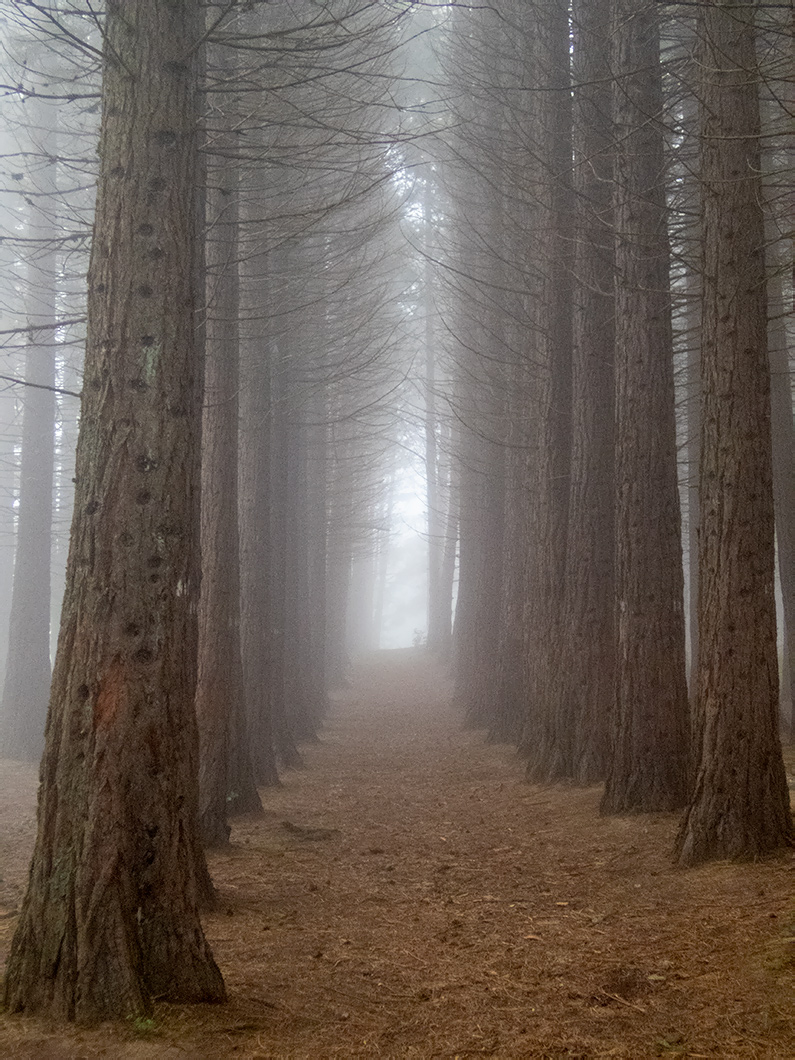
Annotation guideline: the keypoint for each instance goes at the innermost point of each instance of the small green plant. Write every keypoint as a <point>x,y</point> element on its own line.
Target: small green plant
<point>143,1026</point>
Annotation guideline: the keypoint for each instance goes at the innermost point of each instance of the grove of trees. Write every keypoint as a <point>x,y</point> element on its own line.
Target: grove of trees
<point>290,254</point>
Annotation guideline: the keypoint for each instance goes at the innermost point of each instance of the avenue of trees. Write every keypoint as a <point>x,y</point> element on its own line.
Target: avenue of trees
<point>537,252</point>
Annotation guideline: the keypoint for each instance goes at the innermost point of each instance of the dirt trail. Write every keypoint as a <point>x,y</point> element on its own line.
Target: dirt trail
<point>407,895</point>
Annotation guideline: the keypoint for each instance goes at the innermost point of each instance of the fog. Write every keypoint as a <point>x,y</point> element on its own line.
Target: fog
<point>404,616</point>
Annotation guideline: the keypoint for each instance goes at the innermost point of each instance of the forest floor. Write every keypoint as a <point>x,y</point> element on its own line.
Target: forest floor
<point>407,894</point>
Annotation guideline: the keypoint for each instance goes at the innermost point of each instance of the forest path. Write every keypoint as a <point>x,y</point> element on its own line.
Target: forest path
<point>408,895</point>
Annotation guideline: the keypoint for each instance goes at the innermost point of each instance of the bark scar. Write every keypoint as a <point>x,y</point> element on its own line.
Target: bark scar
<point>111,694</point>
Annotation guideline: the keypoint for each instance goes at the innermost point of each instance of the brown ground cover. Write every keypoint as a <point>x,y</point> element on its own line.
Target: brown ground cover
<point>408,895</point>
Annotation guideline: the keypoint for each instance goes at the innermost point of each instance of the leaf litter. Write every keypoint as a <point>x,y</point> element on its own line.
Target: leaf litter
<point>408,895</point>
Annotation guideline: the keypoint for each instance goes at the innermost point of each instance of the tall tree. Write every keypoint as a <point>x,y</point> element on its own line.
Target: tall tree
<point>254,458</point>
<point>110,919</point>
<point>783,433</point>
<point>226,778</point>
<point>777,102</point>
<point>255,551</point>
<point>571,731</point>
<point>522,276</point>
<point>27,677</point>
<point>587,685</point>
<point>648,768</point>
<point>740,805</point>
<point>548,729</point>
<point>479,57</point>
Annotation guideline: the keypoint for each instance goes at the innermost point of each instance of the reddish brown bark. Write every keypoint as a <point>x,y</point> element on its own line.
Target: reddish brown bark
<point>551,153</point>
<point>649,759</point>
<point>573,742</point>
<point>110,918</point>
<point>740,805</point>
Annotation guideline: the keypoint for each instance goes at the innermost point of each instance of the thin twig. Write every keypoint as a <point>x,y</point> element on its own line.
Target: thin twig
<point>40,386</point>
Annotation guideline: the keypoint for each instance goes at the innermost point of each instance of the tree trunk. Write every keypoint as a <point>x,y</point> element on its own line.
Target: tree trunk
<point>778,254</point>
<point>254,500</point>
<point>690,252</point>
<point>438,604</point>
<point>317,472</point>
<point>648,769</point>
<point>519,236</point>
<point>8,462</point>
<point>282,412</point>
<point>381,562</point>
<point>255,557</point>
<point>304,710</point>
<point>110,919</point>
<point>783,435</point>
<point>583,685</point>
<point>26,687</point>
<point>226,778</point>
<point>555,260</point>
<point>740,805</point>
<point>479,592</point>
<point>520,461</point>
<point>448,570</point>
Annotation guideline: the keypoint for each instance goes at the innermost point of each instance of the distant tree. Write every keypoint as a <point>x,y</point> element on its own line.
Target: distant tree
<point>521,276</point>
<point>281,413</point>
<point>583,685</point>
<point>439,603</point>
<point>317,299</point>
<point>226,777</point>
<point>47,177</point>
<point>783,433</point>
<point>27,677</point>
<point>551,147</point>
<point>648,768</point>
<point>254,525</point>
<point>740,804</point>
<point>260,290</point>
<point>477,57</point>
<point>777,91</point>
<point>477,617</point>
<point>110,919</point>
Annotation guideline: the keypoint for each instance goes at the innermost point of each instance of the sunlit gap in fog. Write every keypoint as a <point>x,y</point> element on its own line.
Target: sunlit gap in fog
<point>389,578</point>
<point>404,612</point>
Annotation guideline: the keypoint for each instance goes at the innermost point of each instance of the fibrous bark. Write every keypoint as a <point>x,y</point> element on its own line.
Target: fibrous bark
<point>740,804</point>
<point>648,768</point>
<point>552,155</point>
<point>575,734</point>
<point>110,919</point>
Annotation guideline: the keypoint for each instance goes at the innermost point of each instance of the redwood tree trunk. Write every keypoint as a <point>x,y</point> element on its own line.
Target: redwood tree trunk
<point>648,769</point>
<point>304,709</point>
<point>438,603</point>
<point>226,778</point>
<point>110,919</point>
<point>740,805</point>
<point>589,621</point>
<point>478,604</point>
<point>255,557</point>
<point>282,412</point>
<point>254,501</point>
<point>540,740</point>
